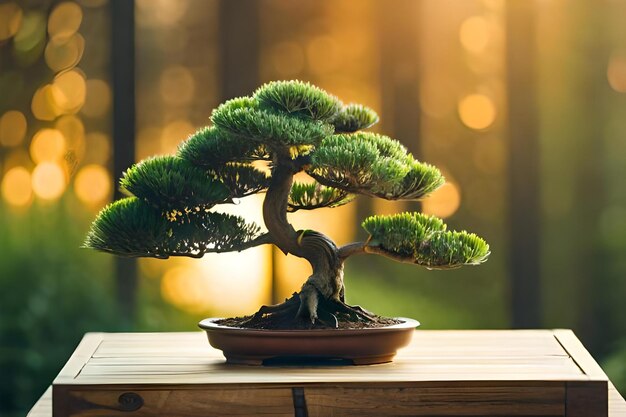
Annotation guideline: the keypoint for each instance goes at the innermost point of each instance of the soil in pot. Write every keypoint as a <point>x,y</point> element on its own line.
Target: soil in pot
<point>331,315</point>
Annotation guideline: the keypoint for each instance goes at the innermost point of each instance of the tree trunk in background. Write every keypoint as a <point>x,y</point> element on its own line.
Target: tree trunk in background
<point>399,40</point>
<point>123,78</point>
<point>588,82</point>
<point>524,160</point>
<point>239,47</point>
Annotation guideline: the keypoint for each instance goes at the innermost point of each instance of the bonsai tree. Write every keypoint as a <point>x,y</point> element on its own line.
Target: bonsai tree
<point>295,127</point>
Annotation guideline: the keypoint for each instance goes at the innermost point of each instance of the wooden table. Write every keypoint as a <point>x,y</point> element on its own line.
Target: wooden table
<point>443,373</point>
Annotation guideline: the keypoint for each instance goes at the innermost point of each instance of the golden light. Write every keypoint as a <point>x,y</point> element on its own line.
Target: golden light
<point>92,185</point>
<point>322,54</point>
<point>148,142</point>
<point>474,34</point>
<point>13,127</point>
<point>98,99</point>
<point>287,59</point>
<point>65,20</point>
<point>98,148</point>
<point>73,130</point>
<point>161,12</point>
<point>43,105</point>
<point>222,278</point>
<point>436,97</point>
<point>16,187</point>
<point>63,53</point>
<point>477,111</point>
<point>177,85</point>
<point>444,202</point>
<point>69,91</point>
<point>48,181</point>
<point>173,133</point>
<point>185,288</point>
<point>47,145</point>
<point>10,20</point>
<point>616,73</point>
<point>291,271</point>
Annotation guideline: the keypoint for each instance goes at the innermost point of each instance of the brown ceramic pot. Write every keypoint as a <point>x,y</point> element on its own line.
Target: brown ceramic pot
<point>360,346</point>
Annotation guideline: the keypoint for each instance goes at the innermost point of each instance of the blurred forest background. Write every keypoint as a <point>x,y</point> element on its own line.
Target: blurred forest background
<point>521,104</point>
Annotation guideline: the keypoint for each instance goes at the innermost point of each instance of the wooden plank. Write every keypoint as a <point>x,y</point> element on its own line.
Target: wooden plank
<point>187,358</point>
<point>206,403</point>
<point>617,405</point>
<point>579,354</point>
<point>80,357</point>
<point>587,399</point>
<point>43,407</point>
<point>459,401</point>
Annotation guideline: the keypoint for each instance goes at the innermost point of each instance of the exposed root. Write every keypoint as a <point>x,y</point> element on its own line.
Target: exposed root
<point>293,314</point>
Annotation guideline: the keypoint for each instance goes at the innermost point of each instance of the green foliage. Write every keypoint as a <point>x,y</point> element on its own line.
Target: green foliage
<point>299,99</point>
<point>131,227</point>
<point>242,179</point>
<point>169,182</point>
<point>314,195</point>
<point>354,117</point>
<point>453,249</point>
<point>214,147</point>
<point>241,117</point>
<point>400,233</point>
<point>372,164</point>
<point>424,240</point>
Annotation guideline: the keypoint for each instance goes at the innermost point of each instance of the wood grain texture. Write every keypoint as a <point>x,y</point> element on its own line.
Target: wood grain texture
<point>441,373</point>
<point>443,401</point>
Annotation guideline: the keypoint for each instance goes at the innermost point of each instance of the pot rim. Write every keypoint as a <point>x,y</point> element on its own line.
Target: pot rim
<point>209,324</point>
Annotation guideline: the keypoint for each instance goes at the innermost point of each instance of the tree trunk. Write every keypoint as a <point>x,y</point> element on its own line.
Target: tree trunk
<point>321,252</point>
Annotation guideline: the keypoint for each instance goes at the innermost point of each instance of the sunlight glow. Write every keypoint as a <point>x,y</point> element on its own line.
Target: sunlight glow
<point>10,20</point>
<point>47,145</point>
<point>48,181</point>
<point>64,20</point>
<point>13,127</point>
<point>474,34</point>
<point>92,185</point>
<point>444,202</point>
<point>16,187</point>
<point>477,111</point>
<point>616,73</point>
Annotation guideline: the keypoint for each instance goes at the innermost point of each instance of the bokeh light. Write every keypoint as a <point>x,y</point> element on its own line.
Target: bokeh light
<point>322,54</point>
<point>31,33</point>
<point>16,187</point>
<point>13,127</point>
<point>474,34</point>
<point>444,202</point>
<point>161,12</point>
<point>477,111</point>
<point>43,105</point>
<point>64,20</point>
<point>287,58</point>
<point>47,145</point>
<point>10,20</point>
<point>98,148</point>
<point>63,53</point>
<point>173,133</point>
<point>73,130</point>
<point>616,72</point>
<point>98,99</point>
<point>48,181</point>
<point>92,185</point>
<point>177,85</point>
<point>69,91</point>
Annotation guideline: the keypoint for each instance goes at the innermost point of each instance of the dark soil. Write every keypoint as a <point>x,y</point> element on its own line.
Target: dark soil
<point>331,315</point>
